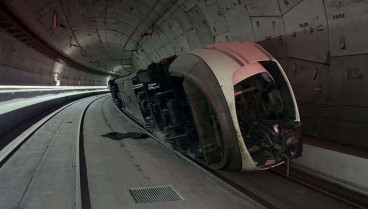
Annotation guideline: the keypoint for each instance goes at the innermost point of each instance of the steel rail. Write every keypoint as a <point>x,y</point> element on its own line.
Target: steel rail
<point>81,182</point>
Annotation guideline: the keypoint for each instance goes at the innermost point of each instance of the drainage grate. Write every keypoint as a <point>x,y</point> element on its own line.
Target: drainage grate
<point>155,194</point>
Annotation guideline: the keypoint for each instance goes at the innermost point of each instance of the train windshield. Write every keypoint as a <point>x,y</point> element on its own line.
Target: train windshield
<point>260,96</point>
<point>264,110</point>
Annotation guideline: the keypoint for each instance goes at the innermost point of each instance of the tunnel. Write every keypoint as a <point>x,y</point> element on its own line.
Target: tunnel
<point>321,46</point>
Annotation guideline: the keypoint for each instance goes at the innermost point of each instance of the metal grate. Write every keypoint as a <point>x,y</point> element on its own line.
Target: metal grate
<point>155,194</point>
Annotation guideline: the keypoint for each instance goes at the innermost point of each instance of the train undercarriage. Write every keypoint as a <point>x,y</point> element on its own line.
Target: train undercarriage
<point>176,110</point>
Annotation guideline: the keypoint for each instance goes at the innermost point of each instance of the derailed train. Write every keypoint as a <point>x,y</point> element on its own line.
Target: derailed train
<point>228,106</point>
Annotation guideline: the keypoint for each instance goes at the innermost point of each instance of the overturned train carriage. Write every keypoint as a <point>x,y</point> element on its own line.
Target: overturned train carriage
<point>228,106</point>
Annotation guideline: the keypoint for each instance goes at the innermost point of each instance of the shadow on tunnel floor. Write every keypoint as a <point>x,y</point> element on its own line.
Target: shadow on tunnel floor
<point>120,136</point>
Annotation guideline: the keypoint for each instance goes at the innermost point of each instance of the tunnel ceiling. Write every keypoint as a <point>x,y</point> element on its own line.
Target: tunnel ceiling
<point>120,35</point>
<point>125,35</point>
<point>100,34</point>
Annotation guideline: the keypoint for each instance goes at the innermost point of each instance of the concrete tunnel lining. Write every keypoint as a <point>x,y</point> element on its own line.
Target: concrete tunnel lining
<point>321,44</point>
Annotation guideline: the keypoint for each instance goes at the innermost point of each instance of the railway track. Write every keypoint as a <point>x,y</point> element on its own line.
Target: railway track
<point>356,200</point>
<point>296,174</point>
<point>81,197</point>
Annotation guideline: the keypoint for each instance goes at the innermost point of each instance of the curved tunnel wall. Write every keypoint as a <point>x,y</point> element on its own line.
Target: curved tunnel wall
<point>21,65</point>
<point>321,45</point>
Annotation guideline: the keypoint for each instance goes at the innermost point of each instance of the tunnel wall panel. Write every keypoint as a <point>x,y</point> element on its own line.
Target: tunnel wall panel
<point>188,31</point>
<point>307,32</point>
<point>267,27</point>
<point>348,22</point>
<point>223,37</point>
<point>215,20</point>
<point>201,27</point>
<point>309,81</point>
<point>179,37</point>
<point>166,46</point>
<point>263,8</point>
<point>238,20</point>
<point>287,5</point>
<point>187,5</point>
<point>348,84</point>
<point>167,29</point>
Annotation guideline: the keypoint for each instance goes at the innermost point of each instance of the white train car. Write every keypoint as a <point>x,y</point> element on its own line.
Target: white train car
<point>228,106</point>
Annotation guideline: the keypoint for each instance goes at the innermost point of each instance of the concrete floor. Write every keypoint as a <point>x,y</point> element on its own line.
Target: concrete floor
<point>114,166</point>
<point>41,174</point>
<point>143,162</point>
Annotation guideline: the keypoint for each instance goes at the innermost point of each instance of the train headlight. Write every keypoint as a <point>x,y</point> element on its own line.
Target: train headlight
<point>292,142</point>
<point>291,146</point>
